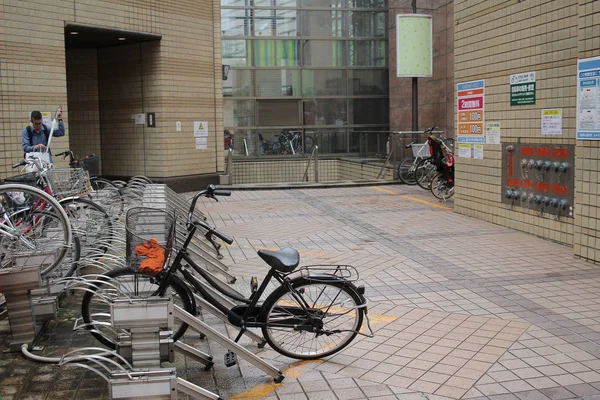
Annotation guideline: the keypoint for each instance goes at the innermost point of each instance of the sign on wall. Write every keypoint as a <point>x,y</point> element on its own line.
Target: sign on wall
<point>470,104</point>
<point>522,89</point>
<point>588,98</point>
<point>492,132</point>
<point>201,134</point>
<point>552,122</point>
<point>414,54</point>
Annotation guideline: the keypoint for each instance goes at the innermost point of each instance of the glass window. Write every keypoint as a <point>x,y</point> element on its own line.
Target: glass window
<point>323,23</point>
<point>239,83</point>
<point>325,112</point>
<point>235,52</point>
<point>238,113</point>
<point>367,53</point>
<point>367,24</point>
<point>275,23</point>
<point>367,3</point>
<point>328,82</point>
<point>330,141</point>
<point>323,3</point>
<point>368,82</point>
<point>282,53</point>
<point>368,111</point>
<point>242,3</point>
<point>236,22</point>
<point>274,82</point>
<point>274,3</point>
<point>324,53</point>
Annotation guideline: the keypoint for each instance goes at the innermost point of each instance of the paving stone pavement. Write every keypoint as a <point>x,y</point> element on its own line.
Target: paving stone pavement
<point>461,308</point>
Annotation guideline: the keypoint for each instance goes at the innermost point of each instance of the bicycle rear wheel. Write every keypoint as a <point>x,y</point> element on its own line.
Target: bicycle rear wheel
<point>34,228</point>
<point>406,171</point>
<point>108,196</point>
<point>124,282</point>
<point>318,319</point>
<point>440,188</point>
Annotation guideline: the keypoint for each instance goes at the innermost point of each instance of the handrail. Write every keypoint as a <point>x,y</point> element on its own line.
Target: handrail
<point>228,164</point>
<point>314,155</point>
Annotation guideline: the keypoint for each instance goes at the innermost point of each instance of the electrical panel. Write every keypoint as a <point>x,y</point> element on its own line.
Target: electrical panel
<point>539,177</point>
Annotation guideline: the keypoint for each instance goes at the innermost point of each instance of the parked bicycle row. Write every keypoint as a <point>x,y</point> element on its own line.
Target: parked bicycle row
<point>431,165</point>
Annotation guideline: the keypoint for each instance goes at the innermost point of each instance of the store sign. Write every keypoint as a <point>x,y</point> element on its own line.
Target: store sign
<point>470,103</point>
<point>588,99</point>
<point>522,89</point>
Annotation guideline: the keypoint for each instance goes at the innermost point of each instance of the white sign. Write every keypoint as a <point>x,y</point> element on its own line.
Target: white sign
<point>47,120</point>
<point>588,98</point>
<point>178,126</point>
<point>200,128</point>
<point>201,143</point>
<point>552,122</point>
<point>464,150</point>
<point>492,132</point>
<point>527,77</point>
<point>140,119</point>
<point>478,151</point>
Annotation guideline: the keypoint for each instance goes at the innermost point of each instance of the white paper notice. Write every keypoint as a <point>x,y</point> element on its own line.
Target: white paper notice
<point>478,151</point>
<point>492,132</point>
<point>200,128</point>
<point>140,119</point>
<point>464,150</point>
<point>201,143</point>
<point>552,122</point>
<point>47,120</point>
<point>178,126</point>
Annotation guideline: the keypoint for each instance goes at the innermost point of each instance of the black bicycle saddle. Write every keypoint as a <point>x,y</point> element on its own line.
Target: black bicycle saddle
<point>284,260</point>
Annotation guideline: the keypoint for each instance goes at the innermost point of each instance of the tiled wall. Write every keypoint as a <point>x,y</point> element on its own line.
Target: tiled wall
<point>435,93</point>
<point>178,78</point>
<point>289,171</point>
<point>587,221</point>
<point>494,40</point>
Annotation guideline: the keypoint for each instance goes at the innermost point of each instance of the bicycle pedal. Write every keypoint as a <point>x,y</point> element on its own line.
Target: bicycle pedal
<point>230,359</point>
<point>253,284</point>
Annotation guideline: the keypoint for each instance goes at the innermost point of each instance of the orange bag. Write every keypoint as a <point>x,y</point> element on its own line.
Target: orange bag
<point>153,265</point>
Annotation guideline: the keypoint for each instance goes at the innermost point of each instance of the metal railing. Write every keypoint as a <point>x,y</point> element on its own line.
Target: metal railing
<point>313,158</point>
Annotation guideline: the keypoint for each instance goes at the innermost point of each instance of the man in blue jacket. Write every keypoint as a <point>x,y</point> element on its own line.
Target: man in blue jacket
<point>35,136</point>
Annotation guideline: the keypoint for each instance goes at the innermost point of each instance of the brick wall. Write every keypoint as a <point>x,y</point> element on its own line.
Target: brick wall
<point>436,93</point>
<point>587,221</point>
<point>178,78</point>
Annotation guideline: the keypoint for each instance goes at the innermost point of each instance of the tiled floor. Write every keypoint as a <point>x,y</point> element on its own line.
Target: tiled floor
<point>460,308</point>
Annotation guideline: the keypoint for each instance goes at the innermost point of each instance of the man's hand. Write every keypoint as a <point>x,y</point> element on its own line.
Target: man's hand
<point>39,147</point>
<point>59,113</point>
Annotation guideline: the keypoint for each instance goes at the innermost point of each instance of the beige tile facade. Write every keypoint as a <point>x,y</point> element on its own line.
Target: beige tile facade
<point>496,39</point>
<point>178,78</point>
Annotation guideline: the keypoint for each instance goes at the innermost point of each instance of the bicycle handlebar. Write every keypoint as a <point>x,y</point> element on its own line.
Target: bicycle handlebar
<point>211,231</point>
<point>19,164</point>
<point>211,191</point>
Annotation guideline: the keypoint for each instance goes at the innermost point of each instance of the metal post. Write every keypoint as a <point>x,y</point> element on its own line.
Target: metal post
<point>316,163</point>
<point>246,146</point>
<point>415,91</point>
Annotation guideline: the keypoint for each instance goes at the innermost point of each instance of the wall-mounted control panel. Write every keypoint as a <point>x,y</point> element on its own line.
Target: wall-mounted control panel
<point>539,177</point>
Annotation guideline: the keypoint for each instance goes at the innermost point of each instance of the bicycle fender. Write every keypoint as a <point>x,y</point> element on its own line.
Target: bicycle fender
<point>68,199</point>
<point>335,278</point>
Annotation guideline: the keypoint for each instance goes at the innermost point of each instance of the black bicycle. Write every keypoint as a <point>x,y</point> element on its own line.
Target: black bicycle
<point>313,312</point>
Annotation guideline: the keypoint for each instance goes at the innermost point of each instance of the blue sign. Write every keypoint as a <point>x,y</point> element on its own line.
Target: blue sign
<point>588,99</point>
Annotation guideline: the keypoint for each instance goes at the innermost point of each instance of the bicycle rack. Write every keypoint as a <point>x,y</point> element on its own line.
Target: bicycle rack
<point>28,306</point>
<point>224,341</point>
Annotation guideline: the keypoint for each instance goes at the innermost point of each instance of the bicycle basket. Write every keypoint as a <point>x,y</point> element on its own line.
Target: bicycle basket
<point>91,164</point>
<point>420,150</point>
<point>29,179</point>
<point>150,234</point>
<point>66,182</point>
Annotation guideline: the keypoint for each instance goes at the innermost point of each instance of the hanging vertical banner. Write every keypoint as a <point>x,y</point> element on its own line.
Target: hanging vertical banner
<point>470,104</point>
<point>588,99</point>
<point>414,49</point>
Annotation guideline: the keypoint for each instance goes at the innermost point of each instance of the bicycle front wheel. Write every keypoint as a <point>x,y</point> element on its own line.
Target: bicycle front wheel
<point>90,223</point>
<point>406,171</point>
<point>123,283</point>
<point>424,173</point>
<point>34,229</point>
<point>318,319</point>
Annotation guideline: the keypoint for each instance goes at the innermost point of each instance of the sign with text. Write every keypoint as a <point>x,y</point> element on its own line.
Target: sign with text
<point>200,128</point>
<point>522,89</point>
<point>552,122</point>
<point>492,132</point>
<point>470,104</point>
<point>588,99</point>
